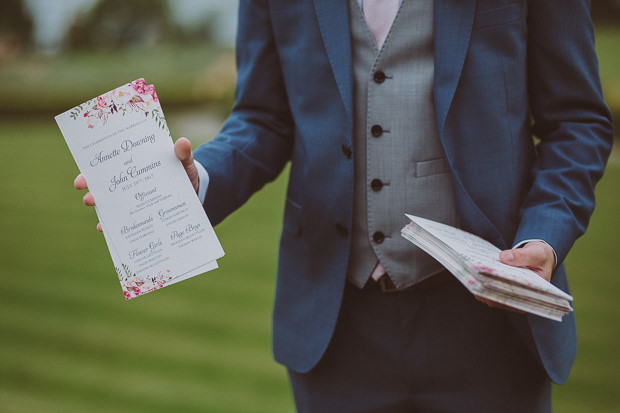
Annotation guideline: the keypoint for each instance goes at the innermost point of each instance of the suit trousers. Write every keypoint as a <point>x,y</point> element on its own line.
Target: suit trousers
<point>428,350</point>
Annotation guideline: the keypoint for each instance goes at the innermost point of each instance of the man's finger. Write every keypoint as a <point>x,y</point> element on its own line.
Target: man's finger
<point>495,304</point>
<point>80,182</point>
<point>88,199</point>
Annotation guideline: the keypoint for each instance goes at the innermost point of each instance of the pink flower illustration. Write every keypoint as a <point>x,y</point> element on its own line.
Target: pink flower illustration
<point>139,86</point>
<point>102,102</point>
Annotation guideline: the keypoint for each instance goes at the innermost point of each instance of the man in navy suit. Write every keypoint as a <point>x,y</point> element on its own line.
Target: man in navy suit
<point>504,71</point>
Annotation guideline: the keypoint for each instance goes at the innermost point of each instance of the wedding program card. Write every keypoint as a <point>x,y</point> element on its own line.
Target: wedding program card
<point>154,225</point>
<point>475,263</point>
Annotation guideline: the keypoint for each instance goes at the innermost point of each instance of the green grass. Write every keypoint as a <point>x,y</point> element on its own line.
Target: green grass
<point>594,385</point>
<point>68,340</point>
<point>70,343</point>
<point>607,41</point>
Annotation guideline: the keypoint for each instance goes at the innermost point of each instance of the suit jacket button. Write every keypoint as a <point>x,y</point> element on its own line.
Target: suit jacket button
<point>342,230</point>
<point>376,131</point>
<point>379,77</point>
<point>378,237</point>
<point>376,184</point>
<point>346,150</point>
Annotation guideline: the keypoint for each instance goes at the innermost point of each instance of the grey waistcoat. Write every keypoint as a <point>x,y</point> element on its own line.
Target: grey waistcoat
<point>400,166</point>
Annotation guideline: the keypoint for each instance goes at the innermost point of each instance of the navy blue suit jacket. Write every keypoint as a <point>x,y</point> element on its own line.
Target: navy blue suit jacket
<point>504,70</point>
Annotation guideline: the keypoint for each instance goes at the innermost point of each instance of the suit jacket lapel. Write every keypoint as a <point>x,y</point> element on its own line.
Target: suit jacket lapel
<point>454,21</point>
<point>333,17</point>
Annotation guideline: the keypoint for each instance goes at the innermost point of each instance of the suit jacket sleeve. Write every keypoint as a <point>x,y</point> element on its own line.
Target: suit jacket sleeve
<point>256,141</point>
<point>570,120</point>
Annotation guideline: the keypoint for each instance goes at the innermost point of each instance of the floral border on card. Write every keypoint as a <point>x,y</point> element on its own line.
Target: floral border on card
<point>137,96</point>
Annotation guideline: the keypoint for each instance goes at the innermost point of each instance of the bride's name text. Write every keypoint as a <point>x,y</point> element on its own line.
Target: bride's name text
<point>125,146</point>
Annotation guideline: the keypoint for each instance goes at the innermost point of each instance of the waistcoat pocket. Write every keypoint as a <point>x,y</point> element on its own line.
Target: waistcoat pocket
<point>431,167</point>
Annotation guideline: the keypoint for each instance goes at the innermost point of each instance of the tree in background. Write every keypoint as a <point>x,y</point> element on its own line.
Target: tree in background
<point>606,11</point>
<point>113,24</point>
<point>15,28</point>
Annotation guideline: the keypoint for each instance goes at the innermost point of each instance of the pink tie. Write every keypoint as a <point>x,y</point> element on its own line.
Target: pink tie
<point>379,15</point>
<point>378,272</point>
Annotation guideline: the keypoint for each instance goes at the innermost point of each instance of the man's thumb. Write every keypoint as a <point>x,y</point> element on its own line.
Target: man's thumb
<point>507,257</point>
<point>183,151</point>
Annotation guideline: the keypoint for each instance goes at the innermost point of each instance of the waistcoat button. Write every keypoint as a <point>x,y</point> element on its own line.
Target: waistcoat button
<point>376,131</point>
<point>376,184</point>
<point>378,237</point>
<point>379,77</point>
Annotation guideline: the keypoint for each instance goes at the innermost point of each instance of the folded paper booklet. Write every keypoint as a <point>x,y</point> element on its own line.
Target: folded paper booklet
<point>155,227</point>
<point>475,263</point>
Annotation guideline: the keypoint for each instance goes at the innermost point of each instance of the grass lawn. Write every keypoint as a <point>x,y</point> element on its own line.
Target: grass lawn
<point>607,41</point>
<point>68,340</point>
<point>70,343</point>
<point>594,385</point>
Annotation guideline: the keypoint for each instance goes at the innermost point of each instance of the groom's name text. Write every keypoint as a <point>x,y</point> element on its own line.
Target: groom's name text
<point>131,172</point>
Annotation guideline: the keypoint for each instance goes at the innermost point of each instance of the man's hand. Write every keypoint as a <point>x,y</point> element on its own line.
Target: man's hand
<point>536,255</point>
<point>183,151</point>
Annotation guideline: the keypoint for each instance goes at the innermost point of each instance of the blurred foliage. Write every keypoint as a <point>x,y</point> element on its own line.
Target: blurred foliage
<point>114,24</point>
<point>183,76</point>
<point>607,42</point>
<point>14,20</point>
<point>606,11</point>
<point>15,28</point>
<point>187,73</point>
<point>118,40</point>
